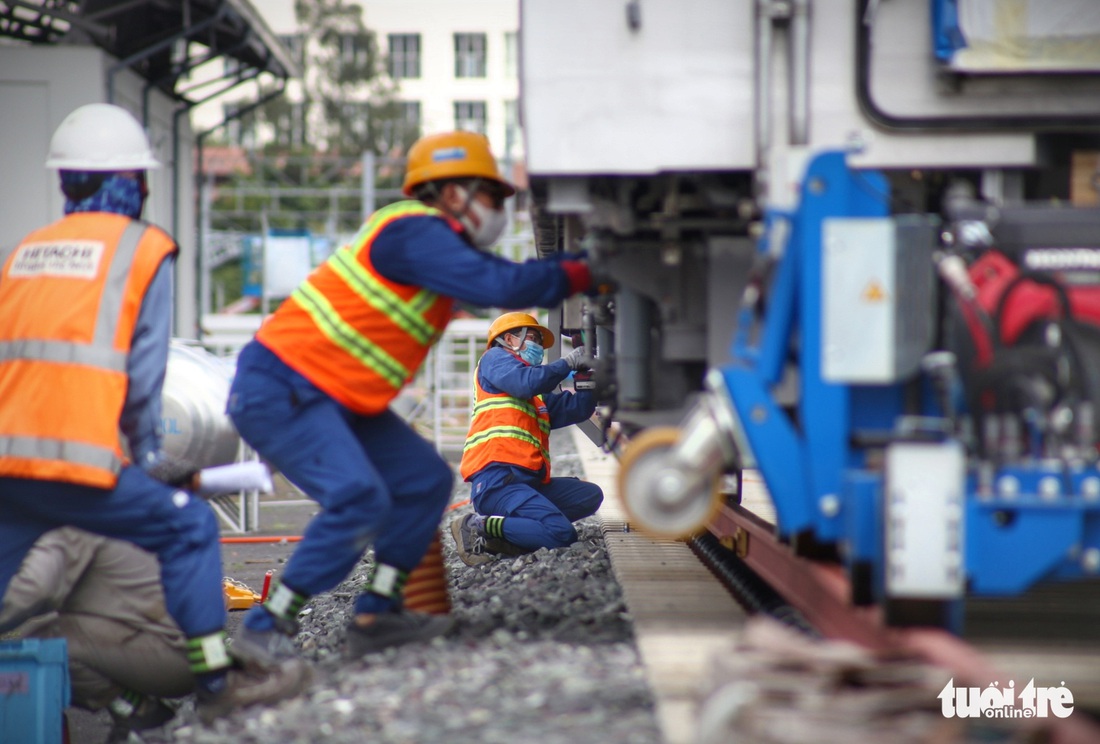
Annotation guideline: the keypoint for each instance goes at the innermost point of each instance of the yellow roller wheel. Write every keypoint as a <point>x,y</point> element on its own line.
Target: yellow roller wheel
<point>649,478</point>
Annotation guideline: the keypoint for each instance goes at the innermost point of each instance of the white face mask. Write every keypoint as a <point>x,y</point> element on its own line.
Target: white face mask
<point>491,221</point>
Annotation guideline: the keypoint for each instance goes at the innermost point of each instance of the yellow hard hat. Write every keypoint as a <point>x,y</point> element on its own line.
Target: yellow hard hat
<point>512,321</point>
<point>452,155</point>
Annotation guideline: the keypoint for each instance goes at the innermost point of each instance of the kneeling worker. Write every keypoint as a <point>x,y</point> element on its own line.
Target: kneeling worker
<point>103,596</point>
<point>520,508</point>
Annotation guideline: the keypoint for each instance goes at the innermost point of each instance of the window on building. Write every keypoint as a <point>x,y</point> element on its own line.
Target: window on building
<point>404,56</point>
<point>511,54</point>
<point>355,50</point>
<point>410,115</point>
<point>470,116</point>
<point>511,126</point>
<point>295,44</point>
<point>356,117</point>
<point>398,125</point>
<point>469,55</point>
<point>290,126</point>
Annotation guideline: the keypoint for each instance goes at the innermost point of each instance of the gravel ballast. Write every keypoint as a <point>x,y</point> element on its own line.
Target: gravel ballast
<point>543,650</point>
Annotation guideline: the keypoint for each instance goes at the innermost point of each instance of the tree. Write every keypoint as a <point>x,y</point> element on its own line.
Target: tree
<point>347,77</point>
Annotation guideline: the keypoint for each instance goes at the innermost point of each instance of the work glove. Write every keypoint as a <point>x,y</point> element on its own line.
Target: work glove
<point>578,275</point>
<point>575,359</point>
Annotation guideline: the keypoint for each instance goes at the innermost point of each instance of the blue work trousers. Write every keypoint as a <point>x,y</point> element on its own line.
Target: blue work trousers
<point>179,528</point>
<point>537,515</point>
<point>375,478</point>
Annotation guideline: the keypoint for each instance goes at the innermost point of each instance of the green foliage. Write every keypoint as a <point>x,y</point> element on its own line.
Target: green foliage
<point>350,105</point>
<point>229,281</point>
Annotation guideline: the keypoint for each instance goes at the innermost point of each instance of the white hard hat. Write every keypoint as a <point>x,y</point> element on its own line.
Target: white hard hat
<point>100,137</point>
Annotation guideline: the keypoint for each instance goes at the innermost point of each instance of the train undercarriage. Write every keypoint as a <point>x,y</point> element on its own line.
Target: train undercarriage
<point>840,247</point>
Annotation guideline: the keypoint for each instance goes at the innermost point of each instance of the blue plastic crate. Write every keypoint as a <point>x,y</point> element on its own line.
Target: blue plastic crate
<point>34,690</point>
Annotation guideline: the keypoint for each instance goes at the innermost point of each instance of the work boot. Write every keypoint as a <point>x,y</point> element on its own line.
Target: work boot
<point>394,629</point>
<point>140,715</point>
<point>245,686</point>
<point>265,648</point>
<point>470,540</point>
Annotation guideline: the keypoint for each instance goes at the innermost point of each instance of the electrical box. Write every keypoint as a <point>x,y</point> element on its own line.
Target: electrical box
<point>878,297</point>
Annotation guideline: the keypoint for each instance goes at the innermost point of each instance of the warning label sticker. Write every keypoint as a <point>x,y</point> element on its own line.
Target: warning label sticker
<point>874,292</point>
<point>76,259</point>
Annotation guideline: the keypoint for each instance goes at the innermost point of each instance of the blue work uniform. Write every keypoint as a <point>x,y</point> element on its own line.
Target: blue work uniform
<point>537,514</point>
<point>375,478</point>
<point>179,528</point>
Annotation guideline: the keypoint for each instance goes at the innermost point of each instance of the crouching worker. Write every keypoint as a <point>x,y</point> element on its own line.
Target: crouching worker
<point>85,326</point>
<point>520,508</point>
<point>312,391</point>
<point>104,597</point>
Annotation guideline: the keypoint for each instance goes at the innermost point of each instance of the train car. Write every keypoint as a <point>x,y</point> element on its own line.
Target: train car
<point>851,245</point>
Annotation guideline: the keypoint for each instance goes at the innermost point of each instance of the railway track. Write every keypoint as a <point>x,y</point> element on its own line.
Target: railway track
<point>684,621</point>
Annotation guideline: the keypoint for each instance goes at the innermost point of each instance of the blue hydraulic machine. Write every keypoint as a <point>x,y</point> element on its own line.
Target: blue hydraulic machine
<point>942,441</point>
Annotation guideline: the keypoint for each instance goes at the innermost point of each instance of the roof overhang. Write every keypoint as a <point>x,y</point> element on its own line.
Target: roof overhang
<point>151,36</point>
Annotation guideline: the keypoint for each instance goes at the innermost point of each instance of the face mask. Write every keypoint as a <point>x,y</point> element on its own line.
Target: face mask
<point>491,221</point>
<point>532,354</point>
<point>93,192</point>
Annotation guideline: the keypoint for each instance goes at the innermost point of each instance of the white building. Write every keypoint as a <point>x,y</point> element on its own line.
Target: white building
<point>455,64</point>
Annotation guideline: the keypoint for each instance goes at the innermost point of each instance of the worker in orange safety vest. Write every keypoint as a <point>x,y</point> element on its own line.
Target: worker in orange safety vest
<point>85,325</point>
<point>518,506</point>
<point>313,389</point>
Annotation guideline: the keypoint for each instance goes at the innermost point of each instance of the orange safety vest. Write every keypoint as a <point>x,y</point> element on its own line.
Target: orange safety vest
<point>70,294</point>
<point>353,333</point>
<point>506,430</point>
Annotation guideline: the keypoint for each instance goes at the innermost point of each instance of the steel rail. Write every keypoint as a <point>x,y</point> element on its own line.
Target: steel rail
<point>821,593</point>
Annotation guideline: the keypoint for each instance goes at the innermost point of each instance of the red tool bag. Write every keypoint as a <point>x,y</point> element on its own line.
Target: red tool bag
<point>1029,340</point>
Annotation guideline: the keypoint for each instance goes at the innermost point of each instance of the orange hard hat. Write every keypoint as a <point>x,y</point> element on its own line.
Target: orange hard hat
<point>512,321</point>
<point>452,155</point>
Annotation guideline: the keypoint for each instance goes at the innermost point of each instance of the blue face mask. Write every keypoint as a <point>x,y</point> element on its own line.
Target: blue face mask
<point>532,354</point>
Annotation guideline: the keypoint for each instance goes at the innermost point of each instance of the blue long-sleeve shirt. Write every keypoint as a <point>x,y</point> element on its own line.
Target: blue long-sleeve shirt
<point>501,371</point>
<point>426,252</point>
<point>141,412</point>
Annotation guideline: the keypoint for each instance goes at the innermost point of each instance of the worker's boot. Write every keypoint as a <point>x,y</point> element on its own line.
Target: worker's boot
<point>265,648</point>
<point>391,629</point>
<point>470,541</point>
<point>475,546</point>
<point>253,685</point>
<point>132,711</point>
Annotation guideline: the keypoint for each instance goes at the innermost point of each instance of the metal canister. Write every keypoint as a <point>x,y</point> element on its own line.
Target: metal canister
<point>196,387</point>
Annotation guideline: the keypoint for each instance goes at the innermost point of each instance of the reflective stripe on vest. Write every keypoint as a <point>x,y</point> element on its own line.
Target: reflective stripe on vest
<point>61,352</point>
<point>506,430</point>
<point>353,333</point>
<point>55,449</point>
<point>408,315</point>
<point>346,337</point>
<point>99,354</point>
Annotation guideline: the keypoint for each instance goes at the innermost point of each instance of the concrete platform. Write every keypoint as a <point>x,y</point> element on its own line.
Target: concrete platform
<point>682,616</point>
